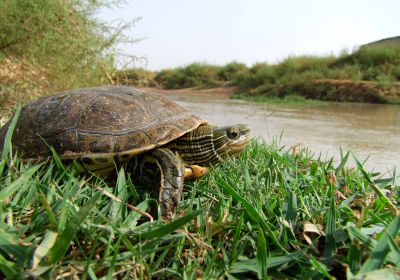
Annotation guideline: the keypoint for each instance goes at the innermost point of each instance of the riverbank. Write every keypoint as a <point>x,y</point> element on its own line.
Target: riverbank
<point>361,92</point>
<point>370,74</point>
<point>303,91</point>
<point>231,92</point>
<point>223,91</point>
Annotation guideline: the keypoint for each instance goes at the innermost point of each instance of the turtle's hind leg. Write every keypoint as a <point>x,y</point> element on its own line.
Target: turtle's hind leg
<point>165,169</point>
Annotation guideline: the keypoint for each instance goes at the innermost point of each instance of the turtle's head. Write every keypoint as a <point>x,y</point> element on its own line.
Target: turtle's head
<point>230,140</point>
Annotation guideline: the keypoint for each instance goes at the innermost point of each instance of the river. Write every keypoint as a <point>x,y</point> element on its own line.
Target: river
<point>369,130</point>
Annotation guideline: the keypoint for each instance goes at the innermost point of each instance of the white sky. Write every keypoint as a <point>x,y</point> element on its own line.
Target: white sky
<point>179,32</point>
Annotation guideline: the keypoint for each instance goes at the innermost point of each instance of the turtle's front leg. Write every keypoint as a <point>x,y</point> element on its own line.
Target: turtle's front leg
<point>170,179</point>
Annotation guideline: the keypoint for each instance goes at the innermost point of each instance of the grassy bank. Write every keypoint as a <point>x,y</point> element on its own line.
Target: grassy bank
<point>369,74</point>
<point>290,100</point>
<point>272,212</point>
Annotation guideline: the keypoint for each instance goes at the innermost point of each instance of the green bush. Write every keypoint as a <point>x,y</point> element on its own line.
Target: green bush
<point>303,63</point>
<point>371,56</point>
<point>136,77</point>
<point>192,75</point>
<point>374,61</point>
<point>256,76</point>
<point>396,73</point>
<point>231,71</point>
<point>169,78</point>
<point>61,36</point>
<point>202,74</point>
<point>345,72</point>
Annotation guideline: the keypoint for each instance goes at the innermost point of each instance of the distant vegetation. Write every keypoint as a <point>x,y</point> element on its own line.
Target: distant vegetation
<point>48,46</point>
<point>369,74</point>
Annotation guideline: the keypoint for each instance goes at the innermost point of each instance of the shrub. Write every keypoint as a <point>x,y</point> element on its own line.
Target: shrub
<point>256,76</point>
<point>192,75</point>
<point>373,61</point>
<point>231,71</point>
<point>304,63</point>
<point>370,56</point>
<point>62,36</point>
<point>345,72</point>
<point>136,77</point>
<point>201,74</point>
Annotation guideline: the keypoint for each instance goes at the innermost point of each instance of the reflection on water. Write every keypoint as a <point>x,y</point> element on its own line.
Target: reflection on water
<point>367,129</point>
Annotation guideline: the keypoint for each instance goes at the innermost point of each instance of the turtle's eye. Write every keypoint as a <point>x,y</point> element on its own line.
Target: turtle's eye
<point>232,134</point>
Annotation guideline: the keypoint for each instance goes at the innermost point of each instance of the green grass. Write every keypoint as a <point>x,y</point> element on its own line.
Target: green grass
<point>270,213</point>
<point>294,100</point>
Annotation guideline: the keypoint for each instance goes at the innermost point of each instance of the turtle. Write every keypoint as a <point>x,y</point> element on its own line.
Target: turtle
<point>100,128</point>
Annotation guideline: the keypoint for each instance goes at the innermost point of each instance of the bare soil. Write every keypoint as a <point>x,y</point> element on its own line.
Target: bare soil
<point>20,81</point>
<point>224,90</point>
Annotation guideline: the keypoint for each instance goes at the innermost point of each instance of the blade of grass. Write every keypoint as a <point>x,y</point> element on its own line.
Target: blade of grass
<point>8,269</point>
<point>384,273</point>
<point>342,163</point>
<point>235,242</point>
<point>14,186</point>
<point>121,189</point>
<point>382,248</point>
<point>160,259</point>
<point>252,213</point>
<point>330,243</point>
<point>60,248</point>
<point>321,268</point>
<point>243,266</point>
<point>111,268</point>
<point>289,208</point>
<point>361,169</point>
<point>392,207</point>
<point>11,246</point>
<point>46,206</point>
<point>7,140</point>
<point>367,240</point>
<point>165,229</point>
<point>57,159</point>
<point>262,255</point>
<point>360,236</point>
<point>211,263</point>
<point>44,247</point>
<point>395,251</point>
<point>89,260</point>
<point>354,258</point>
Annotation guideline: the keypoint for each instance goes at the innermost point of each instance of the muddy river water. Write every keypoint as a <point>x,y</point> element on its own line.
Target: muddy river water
<point>369,130</point>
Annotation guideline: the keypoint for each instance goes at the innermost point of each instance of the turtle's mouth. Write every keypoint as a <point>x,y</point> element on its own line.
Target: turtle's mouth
<point>236,148</point>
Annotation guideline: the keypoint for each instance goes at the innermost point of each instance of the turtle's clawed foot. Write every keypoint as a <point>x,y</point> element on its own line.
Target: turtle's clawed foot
<point>195,171</point>
<point>169,199</point>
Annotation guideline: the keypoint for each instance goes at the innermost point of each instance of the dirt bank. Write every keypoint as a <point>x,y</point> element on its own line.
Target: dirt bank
<point>225,90</point>
<point>324,89</point>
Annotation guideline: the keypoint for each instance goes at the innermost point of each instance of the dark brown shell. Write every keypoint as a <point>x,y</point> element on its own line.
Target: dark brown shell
<point>104,120</point>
